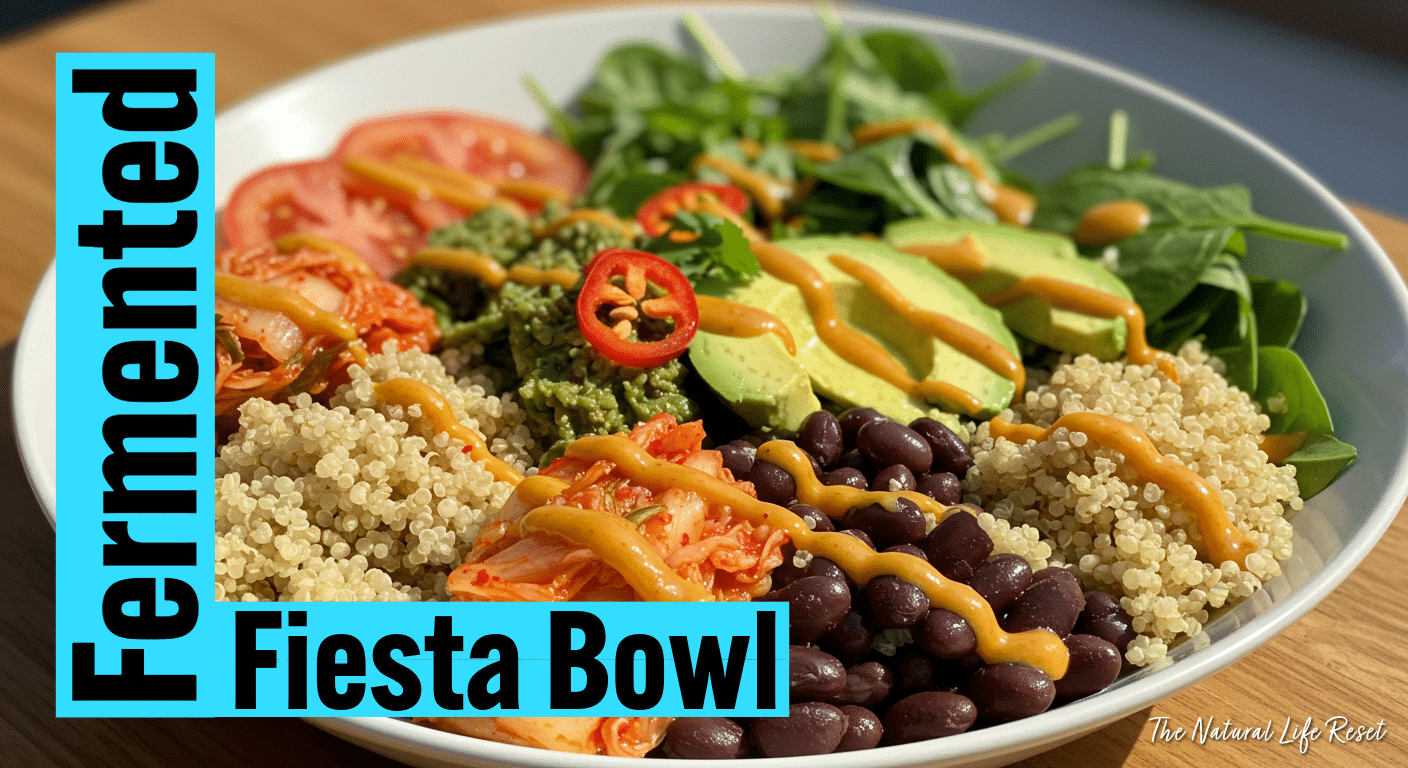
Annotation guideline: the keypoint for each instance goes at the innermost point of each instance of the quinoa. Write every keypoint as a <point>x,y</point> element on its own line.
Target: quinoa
<point>1120,533</point>
<point>354,500</point>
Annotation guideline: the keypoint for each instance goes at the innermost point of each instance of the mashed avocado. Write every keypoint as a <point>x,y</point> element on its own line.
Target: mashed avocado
<point>566,387</point>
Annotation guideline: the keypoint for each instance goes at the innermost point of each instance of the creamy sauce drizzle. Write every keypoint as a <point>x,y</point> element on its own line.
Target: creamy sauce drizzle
<point>769,193</point>
<point>964,258</point>
<point>416,181</point>
<point>292,241</point>
<point>290,303</point>
<point>409,392</point>
<point>850,344</point>
<point>1222,541</point>
<point>1036,648</point>
<point>1012,205</point>
<point>489,271</point>
<point>730,318</point>
<point>1279,447</point>
<point>1110,222</point>
<point>1088,301</point>
<point>593,215</point>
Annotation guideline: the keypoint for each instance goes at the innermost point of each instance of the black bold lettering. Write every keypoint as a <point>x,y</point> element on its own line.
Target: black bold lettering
<point>113,236</point>
<point>147,624</point>
<point>709,670</point>
<point>147,188</point>
<point>249,658</point>
<point>398,672</point>
<point>767,665</point>
<point>147,387</point>
<point>117,83</point>
<point>505,668</point>
<point>329,669</point>
<point>125,551</point>
<point>298,662</point>
<point>565,658</point>
<point>441,645</point>
<point>119,281</point>
<point>122,464</point>
<point>626,671</point>
<point>132,684</point>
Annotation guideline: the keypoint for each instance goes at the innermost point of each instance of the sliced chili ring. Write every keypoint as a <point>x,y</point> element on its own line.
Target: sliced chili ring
<point>654,214</point>
<point>625,304</point>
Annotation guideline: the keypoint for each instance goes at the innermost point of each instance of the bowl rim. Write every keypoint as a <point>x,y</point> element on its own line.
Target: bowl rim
<point>1022,737</point>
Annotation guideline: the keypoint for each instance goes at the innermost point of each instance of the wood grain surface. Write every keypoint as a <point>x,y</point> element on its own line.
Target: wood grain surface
<point>1346,658</point>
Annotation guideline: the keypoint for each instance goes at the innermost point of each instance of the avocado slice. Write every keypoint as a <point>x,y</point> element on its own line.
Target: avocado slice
<point>756,378</point>
<point>839,380</point>
<point>1014,253</point>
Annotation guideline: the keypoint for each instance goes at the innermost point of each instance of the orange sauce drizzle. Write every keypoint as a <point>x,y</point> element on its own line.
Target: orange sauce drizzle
<point>409,392</point>
<point>729,318</point>
<point>1012,205</point>
<point>410,178</point>
<point>593,215</point>
<point>964,258</point>
<point>769,193</point>
<point>288,302</point>
<point>620,545</point>
<point>1088,301</point>
<point>1037,648</point>
<point>961,336</point>
<point>815,151</point>
<point>1221,540</point>
<point>1110,222</point>
<point>488,270</point>
<point>1278,447</point>
<point>292,241</point>
<point>850,344</point>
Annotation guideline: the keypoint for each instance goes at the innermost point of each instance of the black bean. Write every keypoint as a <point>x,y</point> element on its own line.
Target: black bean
<point>851,639</point>
<point>862,535</point>
<point>945,634</point>
<point>1105,618</point>
<point>1095,663</point>
<point>1001,579</point>
<point>813,675</point>
<point>827,568</point>
<point>914,671</point>
<point>819,520</point>
<point>821,437</point>
<point>943,487</point>
<point>895,603</point>
<point>1010,691</point>
<point>810,728</point>
<point>773,483</point>
<point>816,605</point>
<point>883,443</point>
<point>928,715</point>
<point>1098,603</point>
<point>863,729</point>
<point>852,460</point>
<point>737,460</point>
<point>1053,602</point>
<point>851,421</point>
<point>867,684</point>
<point>957,545</point>
<point>902,525</point>
<point>846,476</point>
<point>896,477</point>
<point>950,452</point>
<point>1056,571</point>
<point>706,738</point>
<point>788,571</point>
<point>908,549</point>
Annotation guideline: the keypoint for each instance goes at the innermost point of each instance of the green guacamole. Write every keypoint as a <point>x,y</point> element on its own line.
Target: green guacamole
<point>565,386</point>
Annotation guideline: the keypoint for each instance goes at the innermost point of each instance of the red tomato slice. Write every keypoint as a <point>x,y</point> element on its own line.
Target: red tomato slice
<point>317,196</point>
<point>654,214</point>
<point>482,146</point>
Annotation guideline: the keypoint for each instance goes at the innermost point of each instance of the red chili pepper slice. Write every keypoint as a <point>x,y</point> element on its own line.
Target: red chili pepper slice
<point>625,304</point>
<point>654,214</point>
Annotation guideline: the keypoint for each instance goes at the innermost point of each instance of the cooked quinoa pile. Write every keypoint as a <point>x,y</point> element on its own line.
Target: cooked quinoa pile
<point>358,500</point>
<point>1120,533</point>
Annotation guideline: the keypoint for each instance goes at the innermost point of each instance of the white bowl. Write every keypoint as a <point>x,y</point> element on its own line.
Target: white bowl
<point>1356,338</point>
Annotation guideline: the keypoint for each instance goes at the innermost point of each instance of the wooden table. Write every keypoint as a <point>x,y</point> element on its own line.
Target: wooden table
<point>1356,634</point>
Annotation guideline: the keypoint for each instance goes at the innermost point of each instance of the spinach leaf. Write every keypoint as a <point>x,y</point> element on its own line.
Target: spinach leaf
<point>952,186</point>
<point>1319,461</point>
<point>1289,395</point>
<point>882,169</point>
<point>1162,266</point>
<point>1280,310</point>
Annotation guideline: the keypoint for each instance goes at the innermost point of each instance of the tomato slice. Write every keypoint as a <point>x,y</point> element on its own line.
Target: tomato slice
<point>624,304</point>
<point>484,147</point>
<point>654,214</point>
<point>383,226</point>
